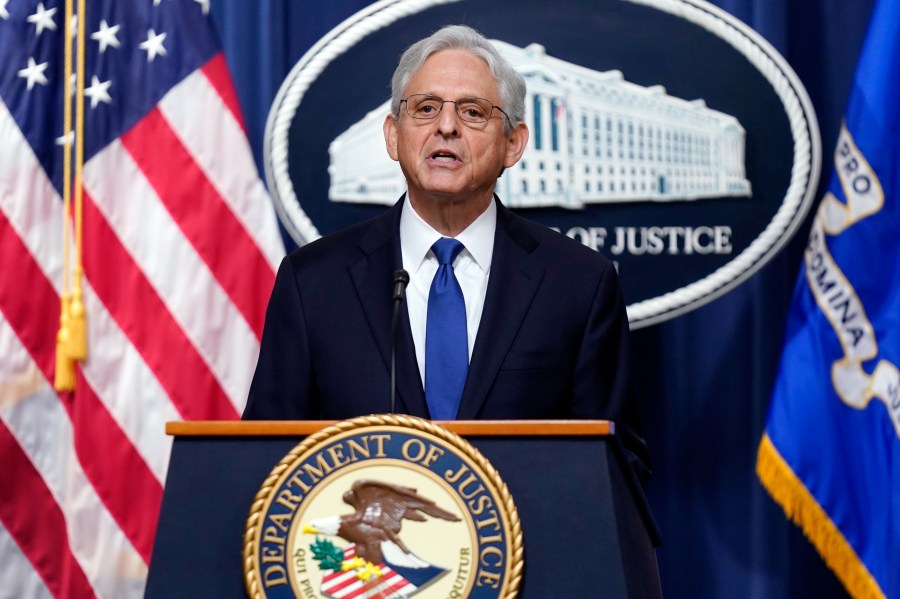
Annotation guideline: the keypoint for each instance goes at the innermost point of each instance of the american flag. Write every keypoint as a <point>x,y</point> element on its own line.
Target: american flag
<point>180,251</point>
<point>347,585</point>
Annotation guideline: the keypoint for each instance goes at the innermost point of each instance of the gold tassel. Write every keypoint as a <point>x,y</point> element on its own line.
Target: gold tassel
<point>76,343</point>
<point>64,375</point>
<point>71,340</point>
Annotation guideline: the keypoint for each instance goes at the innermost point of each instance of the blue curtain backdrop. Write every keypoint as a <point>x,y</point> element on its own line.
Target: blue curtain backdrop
<point>705,377</point>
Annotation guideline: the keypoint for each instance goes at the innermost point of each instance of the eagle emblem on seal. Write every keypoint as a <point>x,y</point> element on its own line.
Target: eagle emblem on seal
<point>377,562</point>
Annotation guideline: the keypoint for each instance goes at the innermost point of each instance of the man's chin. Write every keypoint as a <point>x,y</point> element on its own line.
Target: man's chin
<point>441,191</point>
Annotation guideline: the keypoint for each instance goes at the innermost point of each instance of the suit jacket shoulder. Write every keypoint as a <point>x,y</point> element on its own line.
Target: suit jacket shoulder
<point>326,342</point>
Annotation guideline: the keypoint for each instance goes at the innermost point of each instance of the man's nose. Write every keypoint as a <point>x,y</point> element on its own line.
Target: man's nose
<point>448,120</point>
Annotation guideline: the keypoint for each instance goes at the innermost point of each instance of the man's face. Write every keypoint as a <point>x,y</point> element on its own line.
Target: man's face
<point>448,160</point>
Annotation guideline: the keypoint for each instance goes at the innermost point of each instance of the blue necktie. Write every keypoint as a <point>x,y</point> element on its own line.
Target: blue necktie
<point>446,339</point>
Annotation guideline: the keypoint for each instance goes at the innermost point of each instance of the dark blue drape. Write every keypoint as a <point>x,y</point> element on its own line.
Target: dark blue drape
<point>705,377</point>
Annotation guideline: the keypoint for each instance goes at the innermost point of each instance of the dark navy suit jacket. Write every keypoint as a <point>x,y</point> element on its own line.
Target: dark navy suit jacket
<point>552,342</point>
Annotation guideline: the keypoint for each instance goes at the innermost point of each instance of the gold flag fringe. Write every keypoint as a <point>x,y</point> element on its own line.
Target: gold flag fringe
<point>802,508</point>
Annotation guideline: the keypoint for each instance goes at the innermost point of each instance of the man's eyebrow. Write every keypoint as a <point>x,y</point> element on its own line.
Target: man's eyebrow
<point>459,97</point>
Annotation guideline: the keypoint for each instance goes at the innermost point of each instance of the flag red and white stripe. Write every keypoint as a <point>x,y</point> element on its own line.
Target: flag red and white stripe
<point>347,585</point>
<point>180,250</point>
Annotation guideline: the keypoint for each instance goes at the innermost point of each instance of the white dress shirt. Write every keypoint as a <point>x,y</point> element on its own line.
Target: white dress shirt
<point>472,268</point>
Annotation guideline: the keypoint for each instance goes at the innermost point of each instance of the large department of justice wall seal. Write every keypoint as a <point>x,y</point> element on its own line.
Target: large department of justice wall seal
<point>386,506</point>
<point>665,134</point>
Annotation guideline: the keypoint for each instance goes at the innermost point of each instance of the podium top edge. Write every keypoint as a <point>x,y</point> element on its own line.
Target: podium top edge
<point>476,428</point>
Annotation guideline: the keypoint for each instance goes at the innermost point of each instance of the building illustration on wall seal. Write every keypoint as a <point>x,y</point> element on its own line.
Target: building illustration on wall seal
<point>595,138</point>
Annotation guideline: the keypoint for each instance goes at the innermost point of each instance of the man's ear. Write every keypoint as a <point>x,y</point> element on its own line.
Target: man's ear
<point>516,142</point>
<point>390,135</point>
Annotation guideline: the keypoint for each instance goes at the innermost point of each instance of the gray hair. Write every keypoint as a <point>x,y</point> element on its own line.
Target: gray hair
<point>460,37</point>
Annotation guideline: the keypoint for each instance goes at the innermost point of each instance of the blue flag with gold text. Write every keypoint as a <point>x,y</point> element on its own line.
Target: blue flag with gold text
<point>831,452</point>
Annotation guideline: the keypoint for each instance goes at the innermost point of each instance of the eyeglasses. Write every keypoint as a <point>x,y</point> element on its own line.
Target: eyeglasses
<point>425,107</point>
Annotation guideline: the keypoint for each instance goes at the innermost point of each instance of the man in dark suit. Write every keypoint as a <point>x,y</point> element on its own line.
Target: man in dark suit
<point>540,329</point>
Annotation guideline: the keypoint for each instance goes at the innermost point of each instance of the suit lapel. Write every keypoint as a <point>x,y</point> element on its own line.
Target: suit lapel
<point>514,280</point>
<point>372,276</point>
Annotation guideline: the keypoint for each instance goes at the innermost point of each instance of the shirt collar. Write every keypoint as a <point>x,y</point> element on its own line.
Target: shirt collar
<point>417,237</point>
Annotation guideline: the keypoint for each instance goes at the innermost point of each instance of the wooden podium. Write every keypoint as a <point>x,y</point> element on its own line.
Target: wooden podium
<point>587,529</point>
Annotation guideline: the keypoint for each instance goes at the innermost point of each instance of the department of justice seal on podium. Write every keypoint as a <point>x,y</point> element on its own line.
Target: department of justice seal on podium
<point>387,506</point>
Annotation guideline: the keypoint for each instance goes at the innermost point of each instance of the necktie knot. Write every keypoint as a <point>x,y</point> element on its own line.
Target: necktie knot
<point>446,249</point>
